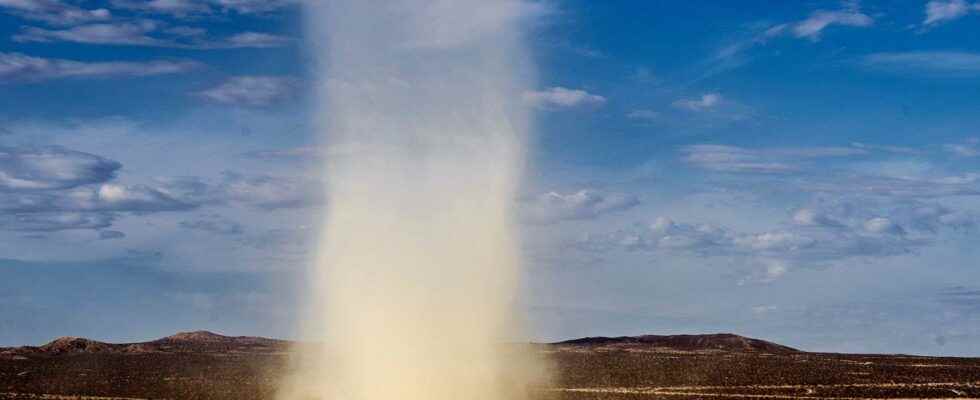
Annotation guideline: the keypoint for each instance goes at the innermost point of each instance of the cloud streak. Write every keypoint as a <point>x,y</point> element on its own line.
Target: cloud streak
<point>54,12</point>
<point>148,33</point>
<point>940,64</point>
<point>553,207</point>
<point>16,67</point>
<point>252,91</point>
<point>777,160</point>
<point>560,97</point>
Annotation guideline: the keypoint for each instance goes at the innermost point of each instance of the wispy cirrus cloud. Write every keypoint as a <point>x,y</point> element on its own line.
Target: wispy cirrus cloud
<point>128,33</point>
<point>706,102</point>
<point>54,12</point>
<point>813,26</point>
<point>734,54</point>
<point>213,223</point>
<point>561,97</point>
<point>15,67</point>
<point>553,207</point>
<point>148,33</point>
<point>967,148</point>
<point>939,11</point>
<point>940,64</point>
<point>172,7</point>
<point>253,91</point>
<point>735,159</point>
<point>60,12</point>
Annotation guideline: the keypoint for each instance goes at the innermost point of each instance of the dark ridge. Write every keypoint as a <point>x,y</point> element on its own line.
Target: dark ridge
<point>718,341</point>
<point>75,345</point>
<point>184,342</point>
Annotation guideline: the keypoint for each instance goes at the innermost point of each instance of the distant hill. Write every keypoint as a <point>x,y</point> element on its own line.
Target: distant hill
<point>184,342</point>
<point>718,342</point>
<point>210,342</point>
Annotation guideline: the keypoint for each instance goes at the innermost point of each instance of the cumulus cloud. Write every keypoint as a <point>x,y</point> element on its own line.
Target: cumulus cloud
<point>813,235</point>
<point>767,161</point>
<point>706,102</point>
<point>54,188</point>
<point>54,12</point>
<point>254,91</point>
<point>938,11</point>
<point>15,67</point>
<point>560,97</point>
<point>940,64</point>
<point>553,207</point>
<point>763,272</point>
<point>52,168</point>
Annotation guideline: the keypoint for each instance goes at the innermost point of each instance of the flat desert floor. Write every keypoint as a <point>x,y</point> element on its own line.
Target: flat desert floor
<point>207,366</point>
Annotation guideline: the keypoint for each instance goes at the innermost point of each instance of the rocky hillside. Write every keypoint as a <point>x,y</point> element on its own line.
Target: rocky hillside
<point>184,342</point>
<point>717,342</point>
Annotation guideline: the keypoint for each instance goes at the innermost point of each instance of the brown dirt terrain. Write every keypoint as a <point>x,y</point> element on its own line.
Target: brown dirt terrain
<point>203,365</point>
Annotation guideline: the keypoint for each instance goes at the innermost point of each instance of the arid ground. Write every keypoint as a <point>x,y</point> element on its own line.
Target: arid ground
<point>203,365</point>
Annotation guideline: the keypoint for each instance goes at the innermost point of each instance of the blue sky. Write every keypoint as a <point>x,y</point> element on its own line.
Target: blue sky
<point>804,172</point>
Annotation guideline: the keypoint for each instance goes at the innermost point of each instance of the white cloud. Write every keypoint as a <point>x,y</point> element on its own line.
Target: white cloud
<point>110,235</point>
<point>254,40</point>
<point>948,64</point>
<point>172,7</point>
<point>882,225</point>
<point>252,90</point>
<point>149,34</point>
<point>969,148</point>
<point>213,223</point>
<point>128,33</point>
<point>182,8</point>
<point>253,6</point>
<point>707,101</point>
<point>813,217</point>
<point>51,222</point>
<point>560,97</point>
<point>52,168</point>
<point>814,236</point>
<point>938,11</point>
<point>643,115</point>
<point>553,207</point>
<point>767,161</point>
<point>774,241</point>
<point>812,27</point>
<point>54,12</point>
<point>106,197</point>
<point>258,191</point>
<point>16,67</point>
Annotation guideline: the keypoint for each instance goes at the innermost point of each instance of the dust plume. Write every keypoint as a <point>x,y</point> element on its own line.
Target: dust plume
<point>414,287</point>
